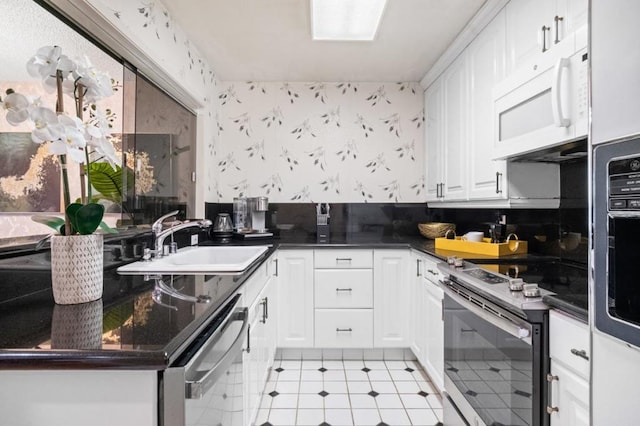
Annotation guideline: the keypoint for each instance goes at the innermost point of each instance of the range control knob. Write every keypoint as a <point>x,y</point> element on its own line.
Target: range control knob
<point>531,290</point>
<point>516,284</point>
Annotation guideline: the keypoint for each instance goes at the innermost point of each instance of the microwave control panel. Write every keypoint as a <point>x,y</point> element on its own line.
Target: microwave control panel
<point>624,184</point>
<point>582,86</point>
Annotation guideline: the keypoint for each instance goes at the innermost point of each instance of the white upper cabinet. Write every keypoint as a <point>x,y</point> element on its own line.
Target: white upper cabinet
<point>534,27</point>
<point>487,61</point>
<point>433,141</point>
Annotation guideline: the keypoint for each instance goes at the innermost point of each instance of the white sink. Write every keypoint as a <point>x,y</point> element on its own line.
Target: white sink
<point>199,260</point>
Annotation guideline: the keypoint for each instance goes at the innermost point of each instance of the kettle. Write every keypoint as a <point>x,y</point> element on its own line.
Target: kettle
<point>222,224</point>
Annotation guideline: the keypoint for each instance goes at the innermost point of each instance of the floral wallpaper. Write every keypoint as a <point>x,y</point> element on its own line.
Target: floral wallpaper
<point>329,142</point>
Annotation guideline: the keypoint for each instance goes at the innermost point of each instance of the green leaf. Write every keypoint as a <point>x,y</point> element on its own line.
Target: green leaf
<point>85,218</point>
<point>107,228</point>
<point>53,222</point>
<point>108,181</point>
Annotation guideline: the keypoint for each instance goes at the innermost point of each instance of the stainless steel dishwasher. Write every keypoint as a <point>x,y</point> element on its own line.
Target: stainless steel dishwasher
<point>204,385</point>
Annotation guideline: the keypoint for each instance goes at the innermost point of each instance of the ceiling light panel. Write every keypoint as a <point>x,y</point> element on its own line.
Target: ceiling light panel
<point>346,19</point>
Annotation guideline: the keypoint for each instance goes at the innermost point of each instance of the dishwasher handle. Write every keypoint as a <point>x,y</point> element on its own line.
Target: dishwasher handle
<point>195,389</point>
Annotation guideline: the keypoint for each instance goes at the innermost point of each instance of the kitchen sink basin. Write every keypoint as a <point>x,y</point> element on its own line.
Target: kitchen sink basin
<point>199,260</point>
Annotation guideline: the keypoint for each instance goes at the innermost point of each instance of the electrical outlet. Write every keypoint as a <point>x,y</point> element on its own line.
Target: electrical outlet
<point>194,240</point>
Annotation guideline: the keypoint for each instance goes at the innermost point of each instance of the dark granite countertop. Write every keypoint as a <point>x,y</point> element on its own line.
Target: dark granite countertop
<point>137,333</point>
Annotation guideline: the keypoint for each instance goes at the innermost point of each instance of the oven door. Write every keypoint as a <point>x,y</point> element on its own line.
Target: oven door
<point>492,364</point>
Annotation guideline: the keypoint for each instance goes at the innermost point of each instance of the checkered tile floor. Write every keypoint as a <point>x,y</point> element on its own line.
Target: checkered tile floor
<point>349,393</point>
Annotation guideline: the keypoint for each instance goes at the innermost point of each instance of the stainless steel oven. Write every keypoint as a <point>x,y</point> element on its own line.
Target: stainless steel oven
<point>495,352</point>
<point>204,385</point>
<point>616,220</point>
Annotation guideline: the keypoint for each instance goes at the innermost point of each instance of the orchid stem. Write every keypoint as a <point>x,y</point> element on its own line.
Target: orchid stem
<point>63,158</point>
<point>79,95</point>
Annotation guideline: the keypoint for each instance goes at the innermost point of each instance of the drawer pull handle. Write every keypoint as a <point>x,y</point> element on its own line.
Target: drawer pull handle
<point>343,259</point>
<point>551,378</point>
<point>343,289</point>
<point>581,354</point>
<point>349,330</point>
<point>432,272</point>
<point>551,410</point>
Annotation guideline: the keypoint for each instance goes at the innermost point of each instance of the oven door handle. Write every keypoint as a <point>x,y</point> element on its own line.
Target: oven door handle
<point>520,330</point>
<point>195,389</point>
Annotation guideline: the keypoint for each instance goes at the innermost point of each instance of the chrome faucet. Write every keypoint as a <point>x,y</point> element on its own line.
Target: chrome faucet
<point>159,234</point>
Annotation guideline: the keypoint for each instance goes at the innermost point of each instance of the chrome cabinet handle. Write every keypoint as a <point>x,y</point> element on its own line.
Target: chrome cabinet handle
<point>349,330</point>
<point>276,262</point>
<point>343,259</point>
<point>265,315</point>
<point>581,353</point>
<point>343,289</point>
<point>544,37</point>
<point>556,20</point>
<point>550,408</point>
<point>432,272</point>
<point>498,179</point>
<point>417,267</point>
<point>248,349</point>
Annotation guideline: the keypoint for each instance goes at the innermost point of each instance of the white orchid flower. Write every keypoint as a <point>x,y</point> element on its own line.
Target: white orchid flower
<point>71,141</point>
<point>45,122</point>
<point>48,60</point>
<point>16,106</point>
<point>97,84</point>
<point>104,151</point>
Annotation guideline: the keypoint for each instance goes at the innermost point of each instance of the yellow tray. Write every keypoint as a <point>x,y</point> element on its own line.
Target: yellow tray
<point>485,247</point>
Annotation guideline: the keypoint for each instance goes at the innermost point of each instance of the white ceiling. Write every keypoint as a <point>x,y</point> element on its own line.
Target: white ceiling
<point>270,40</point>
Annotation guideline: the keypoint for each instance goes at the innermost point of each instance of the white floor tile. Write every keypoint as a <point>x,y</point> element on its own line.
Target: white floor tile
<point>434,401</point>
<point>288,376</point>
<point>312,364</point>
<point>365,417</point>
<point>334,376</point>
<point>311,376</point>
<point>338,417</point>
<point>414,401</point>
<point>422,417</point>
<point>359,387</point>
<point>291,364</point>
<point>265,403</point>
<point>310,400</point>
<point>286,387</point>
<point>384,387</point>
<point>389,400</point>
<point>356,376</point>
<point>285,401</point>
<point>395,417</point>
<point>338,400</point>
<point>311,387</point>
<point>379,375</point>
<point>439,414</point>
<point>353,365</point>
<point>407,387</point>
<point>336,387</point>
<point>333,364</point>
<point>396,365</point>
<point>282,417</point>
<point>402,376</point>
<point>427,387</point>
<point>362,400</point>
<point>310,417</point>
<point>376,365</point>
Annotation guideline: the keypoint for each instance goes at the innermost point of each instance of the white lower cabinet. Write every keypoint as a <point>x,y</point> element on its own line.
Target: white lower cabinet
<point>569,377</point>
<point>261,340</point>
<point>426,322</point>
<point>344,328</point>
<point>391,295</point>
<point>295,299</point>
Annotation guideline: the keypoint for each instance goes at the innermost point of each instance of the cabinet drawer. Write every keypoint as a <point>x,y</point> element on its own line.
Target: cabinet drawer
<point>569,342</point>
<point>339,288</point>
<point>254,285</point>
<point>343,259</point>
<point>344,328</point>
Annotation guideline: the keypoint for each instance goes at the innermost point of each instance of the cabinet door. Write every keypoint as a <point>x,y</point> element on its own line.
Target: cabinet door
<point>575,17</point>
<point>570,395</point>
<point>271,325</point>
<point>433,140</point>
<point>434,359</point>
<point>391,290</point>
<point>295,299</point>
<point>525,19</point>
<point>455,129</point>
<point>487,60</point>
<point>252,365</point>
<point>417,323</point>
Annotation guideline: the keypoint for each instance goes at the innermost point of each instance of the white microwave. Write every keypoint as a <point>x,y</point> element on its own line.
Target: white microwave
<point>544,105</point>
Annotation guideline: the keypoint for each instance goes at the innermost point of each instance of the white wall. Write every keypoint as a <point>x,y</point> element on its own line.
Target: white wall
<point>311,142</point>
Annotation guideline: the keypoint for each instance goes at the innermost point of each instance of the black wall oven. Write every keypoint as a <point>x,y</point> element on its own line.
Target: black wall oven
<point>495,361</point>
<point>616,221</point>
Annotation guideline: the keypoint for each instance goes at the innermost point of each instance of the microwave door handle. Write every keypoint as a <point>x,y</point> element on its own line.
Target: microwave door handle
<point>556,93</point>
<point>195,389</point>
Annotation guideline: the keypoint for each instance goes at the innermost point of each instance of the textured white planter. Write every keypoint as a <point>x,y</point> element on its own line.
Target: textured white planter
<point>76,268</point>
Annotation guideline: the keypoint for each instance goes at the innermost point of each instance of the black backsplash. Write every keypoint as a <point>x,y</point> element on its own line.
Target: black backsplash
<point>548,231</point>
